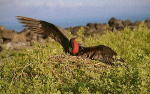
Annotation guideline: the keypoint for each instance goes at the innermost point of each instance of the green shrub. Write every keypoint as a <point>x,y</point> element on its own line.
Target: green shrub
<point>46,69</point>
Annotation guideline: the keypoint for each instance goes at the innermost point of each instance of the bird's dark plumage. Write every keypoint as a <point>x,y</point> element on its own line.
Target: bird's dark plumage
<point>100,52</point>
<point>44,27</point>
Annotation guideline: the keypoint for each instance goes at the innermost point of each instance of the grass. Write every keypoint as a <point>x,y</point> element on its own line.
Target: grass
<point>46,69</point>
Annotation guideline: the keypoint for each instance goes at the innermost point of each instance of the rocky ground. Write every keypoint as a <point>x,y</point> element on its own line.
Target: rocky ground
<point>9,39</point>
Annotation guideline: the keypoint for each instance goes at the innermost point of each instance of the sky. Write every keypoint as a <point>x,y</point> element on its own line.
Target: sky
<point>67,13</point>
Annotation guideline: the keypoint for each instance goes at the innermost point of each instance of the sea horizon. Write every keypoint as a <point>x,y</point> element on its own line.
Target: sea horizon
<point>66,13</point>
<point>15,25</point>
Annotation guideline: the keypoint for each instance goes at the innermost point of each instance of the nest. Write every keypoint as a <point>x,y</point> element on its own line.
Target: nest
<point>68,67</point>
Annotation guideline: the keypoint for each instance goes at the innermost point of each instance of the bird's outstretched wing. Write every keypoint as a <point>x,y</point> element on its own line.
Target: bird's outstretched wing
<point>44,27</point>
<point>100,52</point>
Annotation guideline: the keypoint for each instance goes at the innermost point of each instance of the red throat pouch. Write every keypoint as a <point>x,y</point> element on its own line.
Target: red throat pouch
<point>75,47</point>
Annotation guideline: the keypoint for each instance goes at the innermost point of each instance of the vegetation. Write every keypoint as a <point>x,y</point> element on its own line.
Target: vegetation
<point>46,69</point>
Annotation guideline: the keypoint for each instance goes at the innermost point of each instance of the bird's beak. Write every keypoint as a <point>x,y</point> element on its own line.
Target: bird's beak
<point>70,49</point>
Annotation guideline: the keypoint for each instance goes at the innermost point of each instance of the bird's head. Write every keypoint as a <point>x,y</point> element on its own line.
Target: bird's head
<point>73,46</point>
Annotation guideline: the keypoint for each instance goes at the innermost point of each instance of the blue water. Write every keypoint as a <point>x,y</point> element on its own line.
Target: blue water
<point>15,25</point>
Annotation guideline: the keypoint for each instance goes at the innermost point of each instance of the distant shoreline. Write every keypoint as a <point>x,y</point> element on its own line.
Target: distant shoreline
<point>66,24</point>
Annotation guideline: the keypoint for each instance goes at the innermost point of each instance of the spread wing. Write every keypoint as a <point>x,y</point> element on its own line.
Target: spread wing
<point>44,27</point>
<point>100,52</point>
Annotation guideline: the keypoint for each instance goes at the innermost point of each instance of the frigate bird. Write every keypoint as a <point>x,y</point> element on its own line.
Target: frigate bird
<point>100,52</point>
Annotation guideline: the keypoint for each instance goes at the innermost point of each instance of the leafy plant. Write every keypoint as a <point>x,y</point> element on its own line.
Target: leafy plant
<point>46,69</point>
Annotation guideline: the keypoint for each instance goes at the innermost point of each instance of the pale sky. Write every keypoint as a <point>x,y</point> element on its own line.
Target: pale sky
<point>72,12</point>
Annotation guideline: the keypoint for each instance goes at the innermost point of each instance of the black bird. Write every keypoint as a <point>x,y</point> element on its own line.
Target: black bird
<point>102,53</point>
